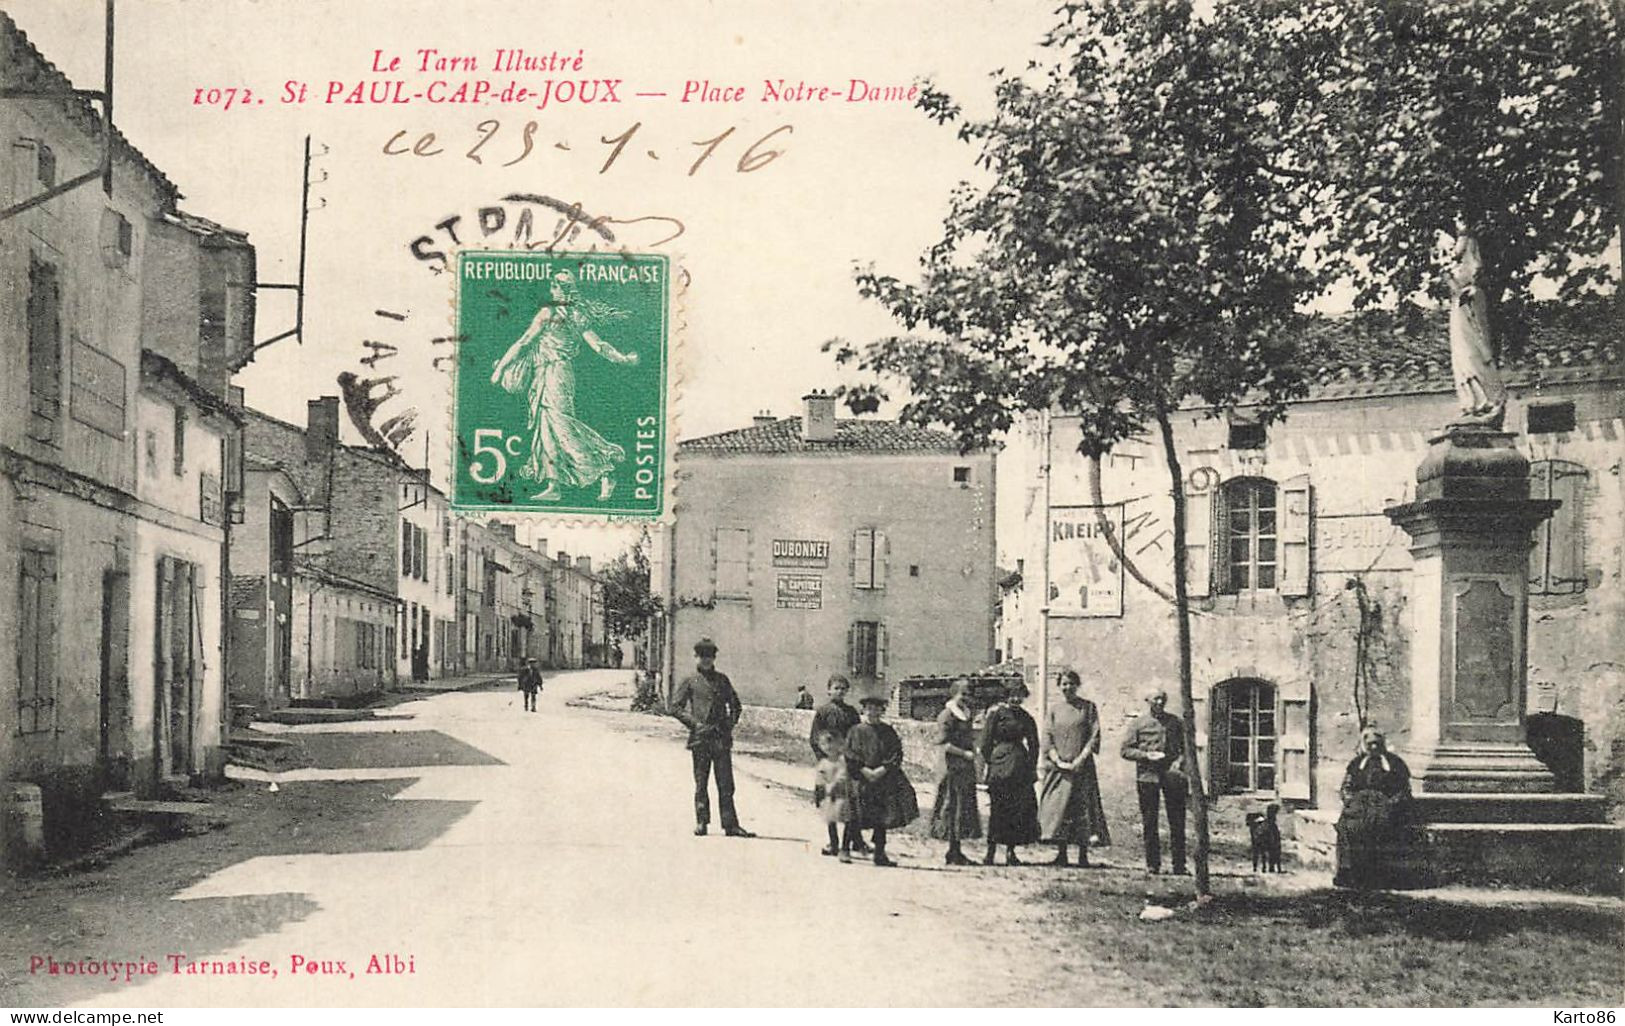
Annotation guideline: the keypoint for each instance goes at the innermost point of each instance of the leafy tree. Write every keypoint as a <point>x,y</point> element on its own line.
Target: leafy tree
<point>1133,252</point>
<point>628,605</point>
<point>1428,123</point>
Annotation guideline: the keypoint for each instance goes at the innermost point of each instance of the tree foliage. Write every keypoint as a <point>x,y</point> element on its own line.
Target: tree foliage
<point>628,604</point>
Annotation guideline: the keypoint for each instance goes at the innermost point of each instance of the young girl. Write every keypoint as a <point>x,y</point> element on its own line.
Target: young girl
<point>832,792</point>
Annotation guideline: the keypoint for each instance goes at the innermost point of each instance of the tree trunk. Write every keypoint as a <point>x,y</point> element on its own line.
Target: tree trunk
<point>1182,617</point>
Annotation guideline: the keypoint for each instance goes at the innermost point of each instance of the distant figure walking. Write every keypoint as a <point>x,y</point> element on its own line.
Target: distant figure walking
<point>1010,753</point>
<point>709,707</point>
<point>955,817</point>
<point>530,682</point>
<point>1069,806</point>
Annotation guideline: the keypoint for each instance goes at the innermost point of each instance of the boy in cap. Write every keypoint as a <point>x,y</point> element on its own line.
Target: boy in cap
<point>708,706</point>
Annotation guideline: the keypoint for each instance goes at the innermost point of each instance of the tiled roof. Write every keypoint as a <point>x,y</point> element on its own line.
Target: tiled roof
<point>35,70</point>
<point>856,436</point>
<point>1381,347</point>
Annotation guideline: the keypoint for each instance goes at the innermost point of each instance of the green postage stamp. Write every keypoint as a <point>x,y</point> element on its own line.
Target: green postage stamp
<point>561,382</point>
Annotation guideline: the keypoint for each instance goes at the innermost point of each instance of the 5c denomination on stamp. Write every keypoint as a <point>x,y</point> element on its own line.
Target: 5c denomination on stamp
<point>561,382</point>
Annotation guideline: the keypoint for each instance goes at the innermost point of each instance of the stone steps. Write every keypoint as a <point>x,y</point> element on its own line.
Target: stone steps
<point>1512,808</point>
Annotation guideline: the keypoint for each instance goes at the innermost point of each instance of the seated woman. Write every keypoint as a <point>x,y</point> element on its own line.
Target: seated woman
<point>1376,832</point>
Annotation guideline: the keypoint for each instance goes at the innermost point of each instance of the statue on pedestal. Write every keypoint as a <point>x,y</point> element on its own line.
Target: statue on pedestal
<point>1479,389</point>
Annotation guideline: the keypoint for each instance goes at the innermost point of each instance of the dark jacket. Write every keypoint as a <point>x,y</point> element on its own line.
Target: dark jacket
<point>530,679</point>
<point>709,707</point>
<point>1155,732</point>
<point>834,717</point>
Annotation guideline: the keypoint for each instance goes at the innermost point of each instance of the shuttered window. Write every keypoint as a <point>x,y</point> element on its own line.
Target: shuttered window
<point>866,649</point>
<point>44,349</point>
<point>1557,558</point>
<point>1248,536</point>
<point>36,642</point>
<point>871,552</point>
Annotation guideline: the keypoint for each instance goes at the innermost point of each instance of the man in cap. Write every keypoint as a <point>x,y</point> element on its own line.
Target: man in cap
<point>530,682</point>
<point>708,706</point>
<point>1156,743</point>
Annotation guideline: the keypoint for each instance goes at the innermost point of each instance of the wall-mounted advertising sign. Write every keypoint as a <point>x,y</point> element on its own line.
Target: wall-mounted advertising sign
<point>801,591</point>
<point>1086,577</point>
<point>801,553</point>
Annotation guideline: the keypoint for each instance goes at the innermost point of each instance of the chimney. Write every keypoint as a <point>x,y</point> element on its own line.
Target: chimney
<point>503,529</point>
<point>763,418</point>
<point>321,426</point>
<point>540,545</point>
<point>818,423</point>
<point>584,564</point>
<point>563,558</point>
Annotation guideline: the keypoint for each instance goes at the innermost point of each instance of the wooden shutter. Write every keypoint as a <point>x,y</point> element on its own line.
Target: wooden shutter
<point>852,649</point>
<point>1296,510</point>
<point>882,557</point>
<point>1199,542</point>
<point>1540,487</point>
<point>880,651</point>
<point>1294,773</point>
<point>863,558</point>
<point>1217,766</point>
<point>1565,564</point>
<point>406,549</point>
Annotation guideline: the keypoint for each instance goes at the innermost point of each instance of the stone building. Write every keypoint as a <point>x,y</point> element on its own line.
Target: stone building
<point>1301,625</point>
<point>428,609</point>
<point>115,427</point>
<point>807,546</point>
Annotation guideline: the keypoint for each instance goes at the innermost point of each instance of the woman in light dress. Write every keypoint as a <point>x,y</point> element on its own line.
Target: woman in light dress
<point>1069,806</point>
<point>563,450</point>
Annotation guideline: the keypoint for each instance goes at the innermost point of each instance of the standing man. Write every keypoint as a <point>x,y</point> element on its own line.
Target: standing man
<point>530,682</point>
<point>1155,743</point>
<point>836,718</point>
<point>708,706</point>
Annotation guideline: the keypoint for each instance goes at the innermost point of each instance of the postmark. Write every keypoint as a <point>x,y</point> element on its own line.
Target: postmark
<point>561,382</point>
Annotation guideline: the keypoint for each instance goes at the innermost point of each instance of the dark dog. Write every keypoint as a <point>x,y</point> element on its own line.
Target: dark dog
<point>1266,835</point>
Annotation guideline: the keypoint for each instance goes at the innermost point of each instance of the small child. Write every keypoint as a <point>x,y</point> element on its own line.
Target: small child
<point>832,793</point>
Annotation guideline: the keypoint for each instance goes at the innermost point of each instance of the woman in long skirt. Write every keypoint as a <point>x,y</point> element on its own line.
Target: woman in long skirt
<point>1010,753</point>
<point>954,816</point>
<point>886,799</point>
<point>1377,831</point>
<point>1069,806</point>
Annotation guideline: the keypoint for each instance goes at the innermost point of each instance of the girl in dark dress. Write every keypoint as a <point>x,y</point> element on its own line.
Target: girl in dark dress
<point>1376,829</point>
<point>955,817</point>
<point>874,756</point>
<point>1010,753</point>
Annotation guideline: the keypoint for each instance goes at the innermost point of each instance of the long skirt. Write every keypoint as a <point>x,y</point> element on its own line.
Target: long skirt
<point>889,803</point>
<point>1376,843</point>
<point>1012,816</point>
<point>956,804</point>
<point>1070,810</point>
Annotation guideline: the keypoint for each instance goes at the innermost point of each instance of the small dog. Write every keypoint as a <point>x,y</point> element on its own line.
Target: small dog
<point>1266,836</point>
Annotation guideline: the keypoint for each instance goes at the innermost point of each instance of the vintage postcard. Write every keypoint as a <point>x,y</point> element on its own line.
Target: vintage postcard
<point>863,504</point>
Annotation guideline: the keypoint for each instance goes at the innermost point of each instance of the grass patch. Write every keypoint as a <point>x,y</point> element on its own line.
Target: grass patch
<point>1342,948</point>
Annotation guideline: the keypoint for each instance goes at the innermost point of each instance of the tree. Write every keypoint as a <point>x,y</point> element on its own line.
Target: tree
<point>1433,125</point>
<point>1134,252</point>
<point>628,605</point>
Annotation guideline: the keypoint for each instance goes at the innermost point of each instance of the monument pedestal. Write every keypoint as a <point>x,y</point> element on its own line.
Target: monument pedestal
<point>1470,534</point>
<point>1488,806</point>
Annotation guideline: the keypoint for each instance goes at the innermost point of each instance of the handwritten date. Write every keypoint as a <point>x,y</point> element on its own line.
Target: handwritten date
<point>520,145</point>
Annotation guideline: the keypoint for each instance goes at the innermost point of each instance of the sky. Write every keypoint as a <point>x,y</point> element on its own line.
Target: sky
<point>769,253</point>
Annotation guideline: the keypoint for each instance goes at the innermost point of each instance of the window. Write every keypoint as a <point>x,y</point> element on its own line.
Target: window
<point>44,350</point>
<point>1245,434</point>
<point>732,562</point>
<point>178,451</point>
<point>1247,533</point>
<point>407,537</point>
<point>451,572</point>
<point>870,552</point>
<point>1249,735</point>
<point>36,641</point>
<point>866,649</point>
<point>1551,418</point>
<point>281,539</point>
<point>962,475</point>
<point>404,653</point>
<point>420,553</point>
<point>1557,559</point>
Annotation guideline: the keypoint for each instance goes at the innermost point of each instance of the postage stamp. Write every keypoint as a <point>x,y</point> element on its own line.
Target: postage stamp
<point>561,397</point>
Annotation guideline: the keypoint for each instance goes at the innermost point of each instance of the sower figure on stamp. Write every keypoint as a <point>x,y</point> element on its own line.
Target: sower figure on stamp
<point>540,365</point>
<point>836,718</point>
<point>530,682</point>
<point>1155,743</point>
<point>708,706</point>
